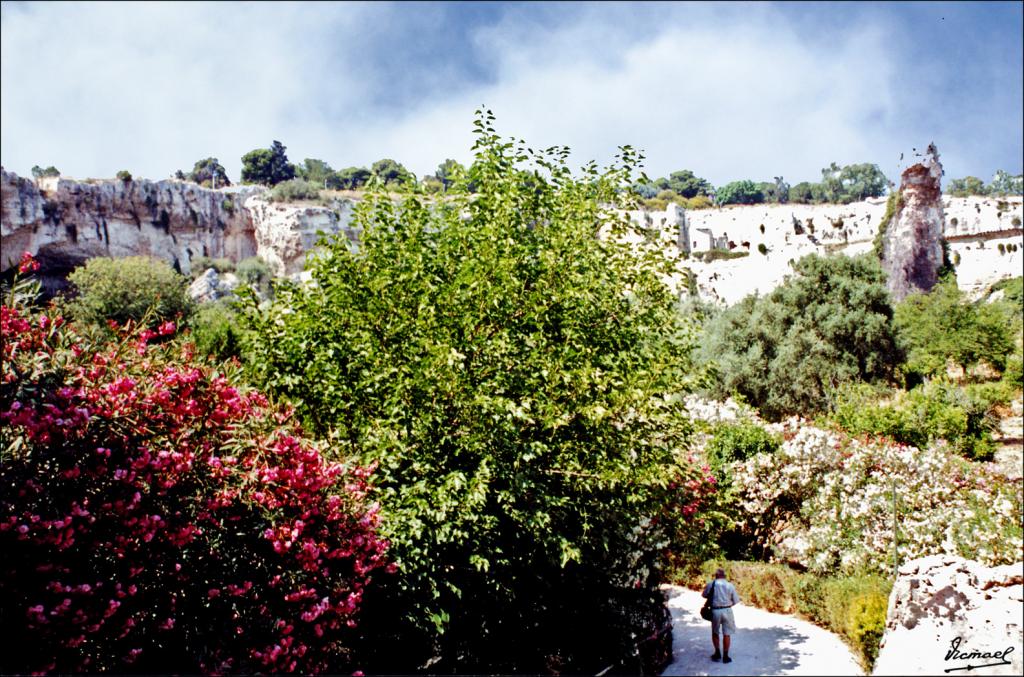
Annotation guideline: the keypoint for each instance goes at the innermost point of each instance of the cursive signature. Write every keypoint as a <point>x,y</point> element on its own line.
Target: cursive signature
<point>955,654</point>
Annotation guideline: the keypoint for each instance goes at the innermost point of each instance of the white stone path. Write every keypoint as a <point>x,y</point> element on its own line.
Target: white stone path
<point>764,643</point>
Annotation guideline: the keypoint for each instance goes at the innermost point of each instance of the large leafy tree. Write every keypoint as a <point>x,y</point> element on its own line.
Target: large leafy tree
<point>942,326</point>
<point>352,178</point>
<point>968,185</point>
<point>687,184</point>
<point>514,376</point>
<point>268,166</point>
<point>740,192</point>
<point>318,172</point>
<point>391,172</point>
<point>830,323</point>
<point>449,171</point>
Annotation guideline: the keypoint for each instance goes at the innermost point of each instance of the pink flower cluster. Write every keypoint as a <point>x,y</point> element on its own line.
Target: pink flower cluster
<point>158,517</point>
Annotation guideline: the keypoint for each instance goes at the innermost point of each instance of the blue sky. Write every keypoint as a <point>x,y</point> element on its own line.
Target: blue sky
<point>728,90</point>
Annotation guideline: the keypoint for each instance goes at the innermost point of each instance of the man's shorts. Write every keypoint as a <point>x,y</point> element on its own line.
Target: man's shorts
<point>723,618</point>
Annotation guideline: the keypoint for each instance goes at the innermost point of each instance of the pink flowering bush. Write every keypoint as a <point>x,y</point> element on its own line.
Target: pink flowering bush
<point>155,517</point>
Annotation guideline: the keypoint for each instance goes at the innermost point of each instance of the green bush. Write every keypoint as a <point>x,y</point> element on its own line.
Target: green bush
<point>737,442</point>
<point>761,247</point>
<point>201,263</point>
<point>293,190</point>
<point>130,289</point>
<point>520,404</point>
<point>739,192</point>
<point>921,416</point>
<point>942,326</point>
<point>215,331</point>
<point>698,202</point>
<point>254,272</point>
<point>829,323</point>
<point>723,255</point>
<point>124,175</point>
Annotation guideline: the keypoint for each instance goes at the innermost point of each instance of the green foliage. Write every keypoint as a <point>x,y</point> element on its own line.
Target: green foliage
<point>318,173</point>
<point>933,411</point>
<point>829,323</point>
<point>761,247</point>
<point>209,172</point>
<point>737,442</point>
<point>852,183</point>
<point>686,184</point>
<point>215,331</point>
<point>133,289</point>
<point>853,607</point>
<point>392,173</point>
<point>739,192</point>
<point>353,178</point>
<point>268,166</point>
<point>221,265</point>
<point>802,193</point>
<point>942,326</point>
<point>294,190</point>
<point>124,175</point>
<point>698,202</point>
<point>448,172</point>
<point>1004,183</point>
<point>892,205</point>
<point>38,172</point>
<point>722,254</point>
<point>255,272</point>
<point>513,376</point>
<point>969,185</point>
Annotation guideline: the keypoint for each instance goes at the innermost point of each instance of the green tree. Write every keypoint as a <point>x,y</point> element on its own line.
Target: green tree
<point>942,326</point>
<point>268,166</point>
<point>861,181</point>
<point>209,172</point>
<point>124,176</point>
<point>687,184</point>
<point>514,377</point>
<point>969,185</point>
<point>318,172</point>
<point>353,178</point>
<point>133,289</point>
<point>802,193</point>
<point>829,323</point>
<point>38,172</point>
<point>740,192</point>
<point>391,172</point>
<point>449,171</point>
<point>1004,183</point>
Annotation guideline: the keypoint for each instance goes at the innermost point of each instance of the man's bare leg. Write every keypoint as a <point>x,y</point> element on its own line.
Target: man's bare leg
<point>726,641</point>
<point>714,640</point>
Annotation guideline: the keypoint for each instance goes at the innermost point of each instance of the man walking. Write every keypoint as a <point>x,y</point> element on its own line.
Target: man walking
<point>723,598</point>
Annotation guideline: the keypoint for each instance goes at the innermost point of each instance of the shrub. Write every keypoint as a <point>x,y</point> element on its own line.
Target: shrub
<point>829,323</point>
<point>156,518</point>
<point>124,175</point>
<point>201,263</point>
<point>698,202</point>
<point>934,411</point>
<point>521,405</point>
<point>655,204</point>
<point>268,166</point>
<point>738,442</point>
<point>228,206</point>
<point>134,289</point>
<point>723,255</point>
<point>209,172</point>
<point>255,272</point>
<point>38,172</point>
<point>294,190</point>
<point>942,326</point>
<point>215,331</point>
<point>761,247</point>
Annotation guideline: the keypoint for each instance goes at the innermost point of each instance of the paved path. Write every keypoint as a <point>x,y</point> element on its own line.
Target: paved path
<point>764,643</point>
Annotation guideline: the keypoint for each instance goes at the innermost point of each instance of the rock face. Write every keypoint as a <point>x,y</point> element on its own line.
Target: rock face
<point>211,286</point>
<point>912,243</point>
<point>64,222</point>
<point>947,613</point>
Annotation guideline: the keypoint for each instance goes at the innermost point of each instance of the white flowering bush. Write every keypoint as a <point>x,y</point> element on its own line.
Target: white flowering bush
<point>825,500</point>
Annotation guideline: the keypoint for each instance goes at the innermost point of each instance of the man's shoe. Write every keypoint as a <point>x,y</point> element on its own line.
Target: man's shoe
<point>716,656</point>
<point>727,660</point>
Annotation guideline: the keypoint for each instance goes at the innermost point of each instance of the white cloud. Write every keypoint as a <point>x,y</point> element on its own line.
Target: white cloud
<point>730,92</point>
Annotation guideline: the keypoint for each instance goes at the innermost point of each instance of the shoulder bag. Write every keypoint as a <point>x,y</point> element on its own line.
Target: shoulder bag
<point>705,611</point>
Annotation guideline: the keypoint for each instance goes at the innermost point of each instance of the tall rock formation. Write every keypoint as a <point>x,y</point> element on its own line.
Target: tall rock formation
<point>912,241</point>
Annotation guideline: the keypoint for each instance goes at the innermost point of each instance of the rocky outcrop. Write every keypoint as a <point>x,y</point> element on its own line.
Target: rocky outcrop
<point>285,232</point>
<point>947,613</point>
<point>912,240</point>
<point>211,286</point>
<point>65,222</point>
